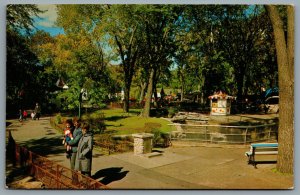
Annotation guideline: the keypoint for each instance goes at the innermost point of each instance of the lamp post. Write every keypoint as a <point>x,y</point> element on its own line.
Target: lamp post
<point>80,101</point>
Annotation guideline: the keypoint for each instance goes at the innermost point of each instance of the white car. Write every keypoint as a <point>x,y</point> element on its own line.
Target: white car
<point>272,104</point>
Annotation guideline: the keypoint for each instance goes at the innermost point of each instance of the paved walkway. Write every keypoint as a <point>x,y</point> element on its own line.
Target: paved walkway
<point>179,166</point>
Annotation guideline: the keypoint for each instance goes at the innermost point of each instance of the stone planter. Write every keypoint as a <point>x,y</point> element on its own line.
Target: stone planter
<point>142,143</point>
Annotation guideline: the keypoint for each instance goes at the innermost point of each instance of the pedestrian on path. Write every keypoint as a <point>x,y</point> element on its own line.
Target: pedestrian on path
<point>25,114</point>
<point>20,115</point>
<point>32,115</point>
<point>77,134</point>
<point>84,151</point>
<point>37,111</point>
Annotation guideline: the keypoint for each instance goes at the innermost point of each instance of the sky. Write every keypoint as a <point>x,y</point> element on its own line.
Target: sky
<point>47,20</point>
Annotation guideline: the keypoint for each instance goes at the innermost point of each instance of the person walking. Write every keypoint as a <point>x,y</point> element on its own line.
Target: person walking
<point>83,161</point>
<point>37,111</point>
<point>20,115</point>
<point>77,134</point>
<point>25,114</point>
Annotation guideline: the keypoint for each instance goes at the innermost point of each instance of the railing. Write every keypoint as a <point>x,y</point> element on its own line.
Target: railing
<point>225,134</point>
<point>52,175</point>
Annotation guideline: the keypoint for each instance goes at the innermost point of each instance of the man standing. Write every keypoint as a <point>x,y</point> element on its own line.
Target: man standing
<point>37,111</point>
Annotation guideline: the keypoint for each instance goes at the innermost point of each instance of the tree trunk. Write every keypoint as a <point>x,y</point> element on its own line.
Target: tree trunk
<point>182,91</point>
<point>147,107</point>
<point>143,87</point>
<point>155,96</point>
<point>240,75</point>
<point>126,98</point>
<point>285,59</point>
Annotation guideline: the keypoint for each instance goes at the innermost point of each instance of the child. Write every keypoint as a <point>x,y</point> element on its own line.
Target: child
<point>32,115</point>
<point>67,137</point>
<point>25,114</point>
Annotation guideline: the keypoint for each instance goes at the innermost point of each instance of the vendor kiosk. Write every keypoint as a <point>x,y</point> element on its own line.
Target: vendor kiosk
<point>220,103</point>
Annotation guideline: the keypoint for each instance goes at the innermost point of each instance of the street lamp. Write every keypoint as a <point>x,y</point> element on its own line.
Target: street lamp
<point>82,96</point>
<point>80,101</point>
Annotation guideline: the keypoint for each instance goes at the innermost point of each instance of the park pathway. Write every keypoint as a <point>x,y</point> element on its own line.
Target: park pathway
<point>179,167</point>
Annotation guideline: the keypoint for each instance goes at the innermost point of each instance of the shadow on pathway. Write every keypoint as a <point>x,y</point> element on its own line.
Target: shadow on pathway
<point>46,145</point>
<point>109,175</point>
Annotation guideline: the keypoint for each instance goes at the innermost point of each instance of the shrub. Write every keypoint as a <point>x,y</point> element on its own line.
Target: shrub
<point>97,124</point>
<point>153,128</point>
<point>58,119</point>
<point>172,111</point>
<point>114,144</point>
<point>156,136</point>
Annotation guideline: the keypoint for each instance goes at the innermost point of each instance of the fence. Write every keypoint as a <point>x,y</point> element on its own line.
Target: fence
<point>52,175</point>
<point>225,134</point>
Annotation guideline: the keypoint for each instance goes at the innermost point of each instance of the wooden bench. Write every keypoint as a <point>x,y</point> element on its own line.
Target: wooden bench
<point>261,149</point>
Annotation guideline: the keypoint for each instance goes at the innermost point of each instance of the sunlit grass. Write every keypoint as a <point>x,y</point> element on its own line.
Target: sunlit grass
<point>120,122</point>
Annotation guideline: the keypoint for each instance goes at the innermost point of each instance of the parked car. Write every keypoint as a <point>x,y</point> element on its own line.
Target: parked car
<point>271,104</point>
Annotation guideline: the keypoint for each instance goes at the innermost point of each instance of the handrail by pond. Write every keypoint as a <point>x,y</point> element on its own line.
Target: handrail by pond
<point>225,126</point>
<point>219,134</point>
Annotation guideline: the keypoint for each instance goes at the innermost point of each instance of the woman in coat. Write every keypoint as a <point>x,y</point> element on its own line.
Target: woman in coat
<point>84,151</point>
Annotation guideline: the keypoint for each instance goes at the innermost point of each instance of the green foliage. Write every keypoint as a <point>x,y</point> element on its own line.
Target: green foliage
<point>97,123</point>
<point>20,16</point>
<point>58,119</point>
<point>156,136</point>
<point>153,128</point>
<point>159,137</point>
<point>172,111</point>
<point>25,77</point>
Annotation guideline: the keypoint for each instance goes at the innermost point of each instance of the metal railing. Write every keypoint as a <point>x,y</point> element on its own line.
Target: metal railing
<point>225,134</point>
<point>52,175</point>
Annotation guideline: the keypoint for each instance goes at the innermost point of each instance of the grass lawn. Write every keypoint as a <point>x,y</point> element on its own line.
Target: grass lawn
<point>120,123</point>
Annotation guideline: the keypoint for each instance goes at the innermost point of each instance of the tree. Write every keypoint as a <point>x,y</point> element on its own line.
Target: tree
<point>158,34</point>
<point>230,48</point>
<point>123,27</point>
<point>23,72</point>
<point>20,17</point>
<point>285,59</point>
<point>114,27</point>
<point>87,67</point>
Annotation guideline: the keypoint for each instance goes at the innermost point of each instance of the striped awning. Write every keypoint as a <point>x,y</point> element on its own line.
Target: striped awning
<point>221,96</point>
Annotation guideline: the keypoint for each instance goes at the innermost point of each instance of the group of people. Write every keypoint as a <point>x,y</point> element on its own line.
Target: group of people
<point>78,141</point>
<point>36,114</point>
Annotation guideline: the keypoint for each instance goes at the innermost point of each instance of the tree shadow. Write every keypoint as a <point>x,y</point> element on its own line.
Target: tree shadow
<point>115,118</point>
<point>13,126</point>
<point>262,162</point>
<point>14,173</point>
<point>97,155</point>
<point>49,131</point>
<point>109,175</point>
<point>158,151</point>
<point>135,112</point>
<point>45,146</point>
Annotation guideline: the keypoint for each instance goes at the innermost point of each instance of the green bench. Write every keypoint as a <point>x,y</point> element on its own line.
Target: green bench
<point>261,149</point>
